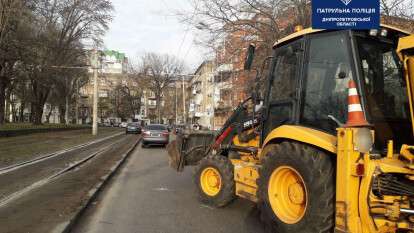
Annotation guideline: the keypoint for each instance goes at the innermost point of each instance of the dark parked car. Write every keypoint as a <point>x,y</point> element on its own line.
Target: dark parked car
<point>133,127</point>
<point>155,135</point>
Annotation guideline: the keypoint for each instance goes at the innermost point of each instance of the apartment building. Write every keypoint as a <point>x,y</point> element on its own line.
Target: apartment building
<point>112,73</point>
<point>202,93</point>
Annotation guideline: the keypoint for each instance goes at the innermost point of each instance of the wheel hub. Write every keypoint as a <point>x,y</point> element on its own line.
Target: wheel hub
<point>210,181</point>
<point>296,194</point>
<point>287,194</point>
<point>213,181</point>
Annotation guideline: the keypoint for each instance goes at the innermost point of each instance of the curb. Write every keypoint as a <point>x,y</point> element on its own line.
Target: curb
<point>93,193</point>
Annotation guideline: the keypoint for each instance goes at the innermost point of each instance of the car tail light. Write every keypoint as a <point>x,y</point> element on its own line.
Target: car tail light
<point>165,134</point>
<point>146,133</point>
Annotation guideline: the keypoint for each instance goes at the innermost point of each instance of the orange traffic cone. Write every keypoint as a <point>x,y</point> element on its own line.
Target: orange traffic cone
<point>356,117</point>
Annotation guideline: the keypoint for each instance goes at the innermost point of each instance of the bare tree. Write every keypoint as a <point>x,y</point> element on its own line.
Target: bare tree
<point>61,25</point>
<point>399,13</point>
<point>263,21</point>
<point>126,95</point>
<point>160,71</point>
<point>399,8</point>
<point>11,16</point>
<point>40,37</point>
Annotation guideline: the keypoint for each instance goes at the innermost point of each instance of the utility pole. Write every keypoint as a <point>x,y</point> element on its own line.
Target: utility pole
<point>176,102</point>
<point>184,116</point>
<point>77,102</point>
<point>95,93</point>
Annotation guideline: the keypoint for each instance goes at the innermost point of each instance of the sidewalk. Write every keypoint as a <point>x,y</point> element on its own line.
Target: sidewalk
<point>18,149</point>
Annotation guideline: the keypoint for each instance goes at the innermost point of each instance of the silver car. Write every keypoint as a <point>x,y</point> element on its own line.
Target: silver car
<point>133,127</point>
<point>155,135</point>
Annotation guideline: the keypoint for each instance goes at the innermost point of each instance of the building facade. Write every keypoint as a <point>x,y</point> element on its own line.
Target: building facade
<point>201,98</point>
<point>112,75</point>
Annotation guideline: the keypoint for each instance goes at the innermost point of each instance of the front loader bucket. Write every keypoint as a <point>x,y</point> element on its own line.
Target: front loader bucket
<point>189,148</point>
<point>174,154</point>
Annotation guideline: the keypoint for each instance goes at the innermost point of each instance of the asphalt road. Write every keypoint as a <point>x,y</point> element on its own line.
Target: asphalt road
<point>149,197</point>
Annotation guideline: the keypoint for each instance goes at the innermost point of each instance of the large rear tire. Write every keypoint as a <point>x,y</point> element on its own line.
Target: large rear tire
<point>297,189</point>
<point>215,181</point>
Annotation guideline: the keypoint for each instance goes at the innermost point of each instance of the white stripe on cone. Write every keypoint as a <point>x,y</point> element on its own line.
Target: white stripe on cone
<point>354,108</point>
<point>352,92</point>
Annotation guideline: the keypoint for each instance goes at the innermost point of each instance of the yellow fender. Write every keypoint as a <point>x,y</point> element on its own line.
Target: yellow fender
<point>306,135</point>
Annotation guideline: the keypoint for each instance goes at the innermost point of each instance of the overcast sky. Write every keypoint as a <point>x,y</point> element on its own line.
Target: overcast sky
<point>149,26</point>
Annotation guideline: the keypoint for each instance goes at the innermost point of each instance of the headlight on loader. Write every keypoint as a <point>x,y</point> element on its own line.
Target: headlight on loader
<point>363,140</point>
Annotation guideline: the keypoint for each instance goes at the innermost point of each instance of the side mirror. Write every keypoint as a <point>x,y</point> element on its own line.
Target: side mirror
<point>249,57</point>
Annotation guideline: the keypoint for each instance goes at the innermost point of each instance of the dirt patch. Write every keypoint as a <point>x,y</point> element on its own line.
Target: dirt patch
<point>55,203</point>
<point>22,148</point>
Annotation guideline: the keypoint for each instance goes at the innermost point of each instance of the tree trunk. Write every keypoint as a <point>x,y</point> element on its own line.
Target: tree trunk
<point>41,94</point>
<point>62,110</point>
<point>37,113</point>
<point>21,111</point>
<point>67,109</point>
<point>2,100</point>
<point>159,108</point>
<point>13,112</point>
<point>49,114</point>
<point>8,105</point>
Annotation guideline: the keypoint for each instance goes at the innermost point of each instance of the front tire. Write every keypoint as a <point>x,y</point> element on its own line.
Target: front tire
<point>215,181</point>
<point>297,189</point>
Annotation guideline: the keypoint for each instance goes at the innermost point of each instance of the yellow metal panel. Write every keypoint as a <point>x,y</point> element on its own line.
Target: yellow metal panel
<point>364,209</point>
<point>252,143</point>
<point>296,35</point>
<point>347,184</point>
<point>305,135</point>
<point>409,65</point>
<point>405,43</point>
<point>245,176</point>
<point>306,31</point>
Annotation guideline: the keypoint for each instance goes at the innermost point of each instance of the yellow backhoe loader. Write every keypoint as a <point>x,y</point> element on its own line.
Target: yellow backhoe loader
<point>331,147</point>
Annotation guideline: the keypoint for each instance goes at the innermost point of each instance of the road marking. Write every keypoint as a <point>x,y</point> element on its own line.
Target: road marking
<point>162,189</point>
<point>207,207</point>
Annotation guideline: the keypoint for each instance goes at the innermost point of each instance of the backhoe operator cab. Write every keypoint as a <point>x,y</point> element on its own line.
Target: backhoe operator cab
<point>332,147</point>
<point>309,83</point>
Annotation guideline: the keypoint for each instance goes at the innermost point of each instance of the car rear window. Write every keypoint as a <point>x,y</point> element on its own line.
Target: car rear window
<point>133,124</point>
<point>156,127</point>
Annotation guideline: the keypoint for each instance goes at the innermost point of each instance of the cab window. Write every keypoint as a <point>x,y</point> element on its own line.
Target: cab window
<point>283,86</point>
<point>284,75</point>
<point>326,82</point>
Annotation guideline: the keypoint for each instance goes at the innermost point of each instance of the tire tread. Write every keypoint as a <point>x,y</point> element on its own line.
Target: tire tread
<point>323,177</point>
